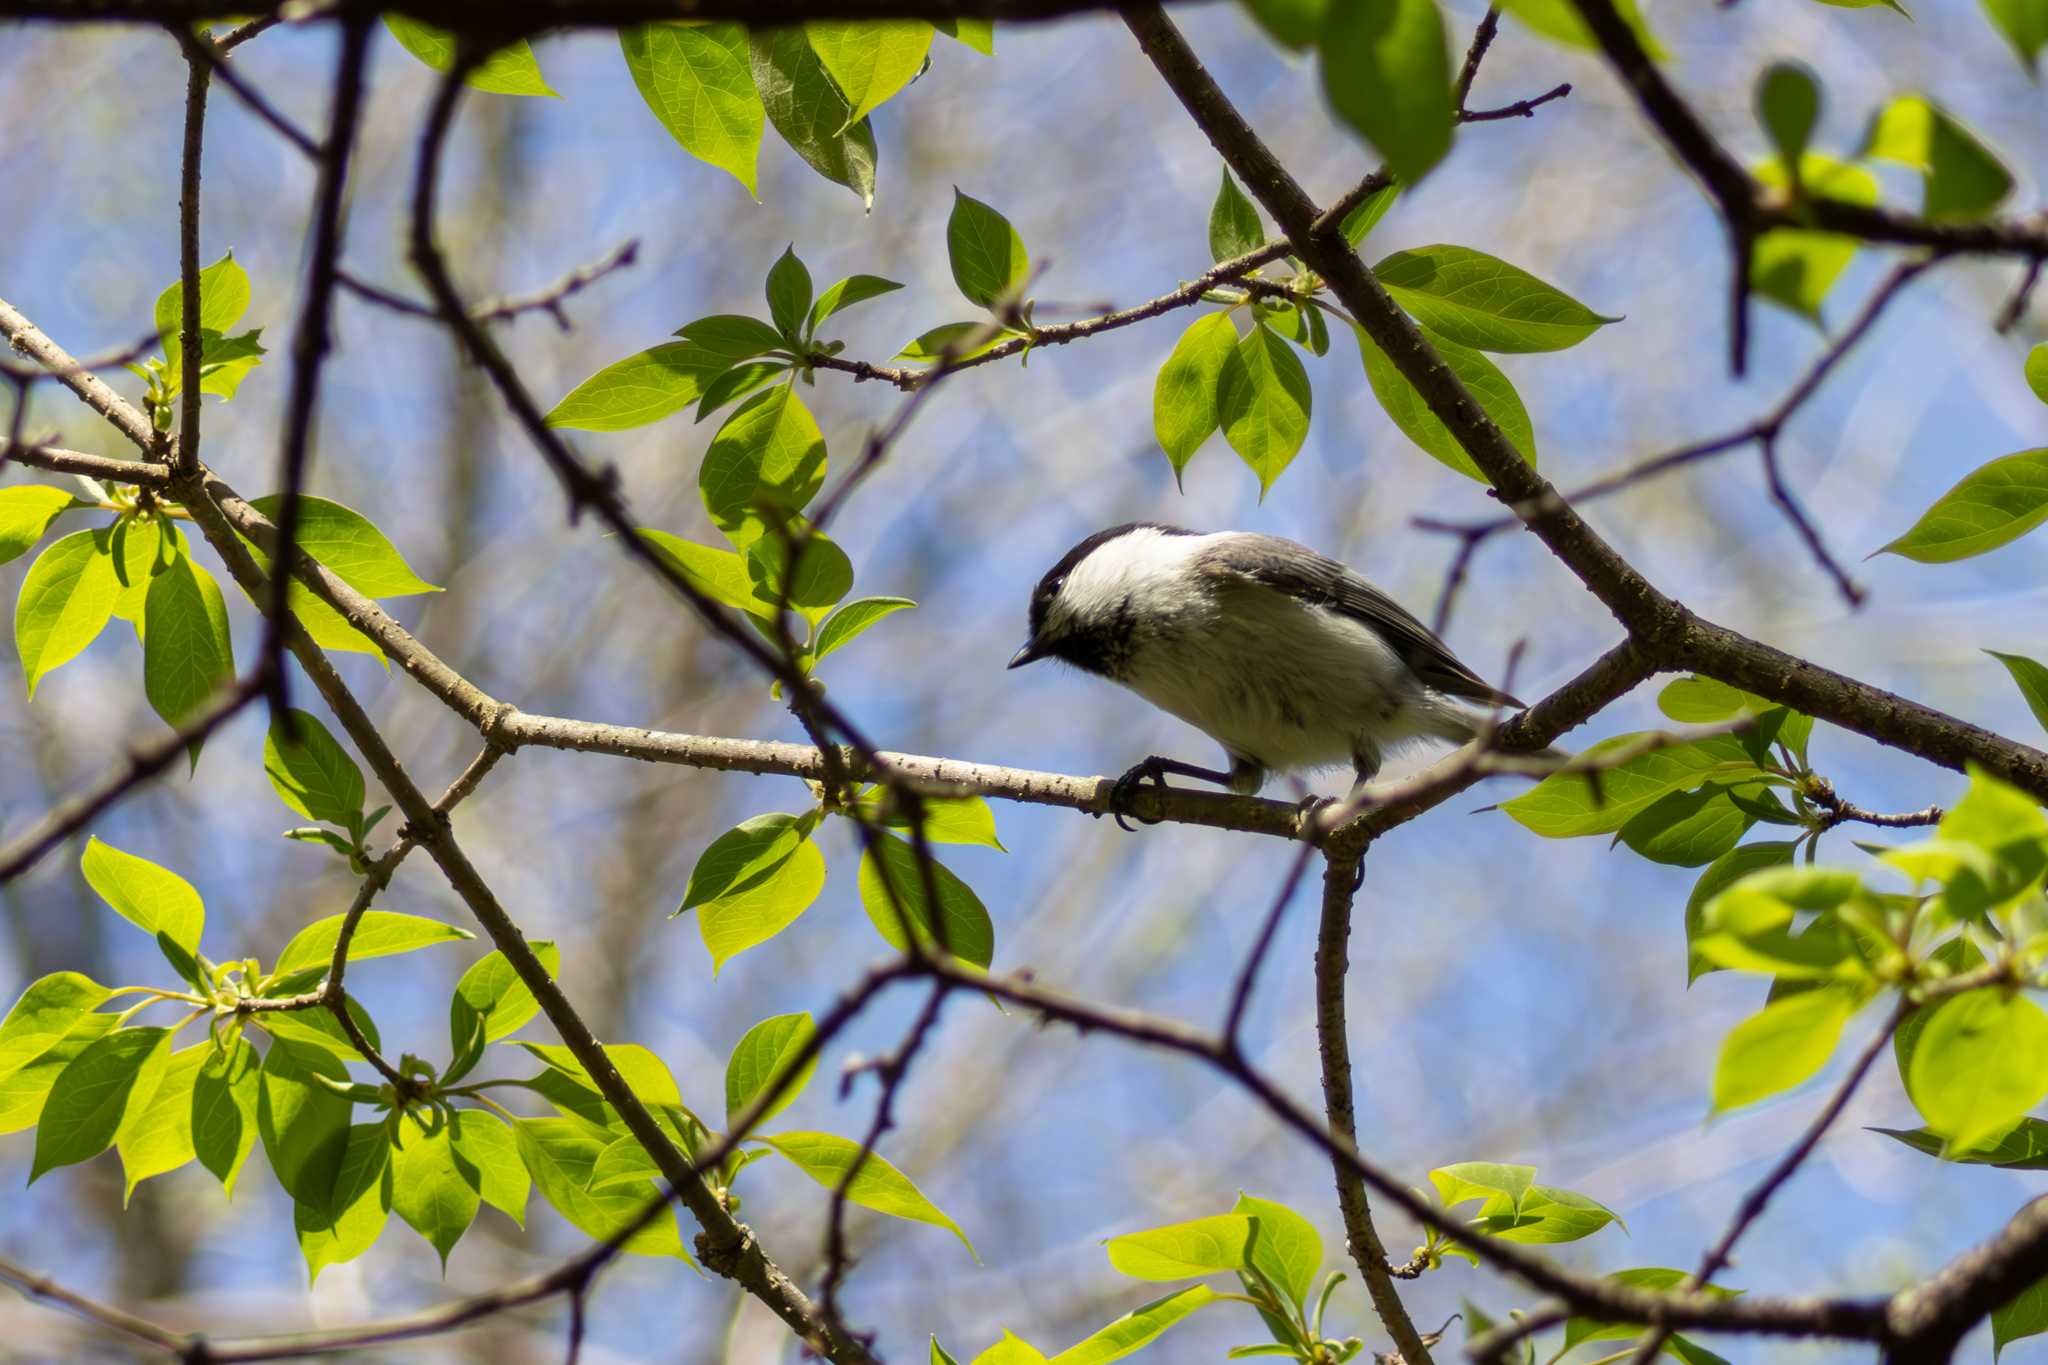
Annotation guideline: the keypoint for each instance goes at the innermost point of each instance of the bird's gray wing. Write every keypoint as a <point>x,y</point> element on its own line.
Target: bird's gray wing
<point>1318,580</point>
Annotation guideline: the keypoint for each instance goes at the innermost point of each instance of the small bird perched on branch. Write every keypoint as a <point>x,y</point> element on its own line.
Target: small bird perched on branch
<point>1283,656</point>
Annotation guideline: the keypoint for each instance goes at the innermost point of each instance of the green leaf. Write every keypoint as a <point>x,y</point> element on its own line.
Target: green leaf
<point>2024,24</point>
<point>66,600</point>
<point>25,1087</point>
<point>987,255</point>
<point>2025,1315</point>
<point>319,1031</point>
<point>697,80</point>
<point>769,452</point>
<point>1993,505</point>
<point>979,34</point>
<point>1780,1046</point>
<point>1963,180</point>
<point>1363,218</point>
<point>2032,680</point>
<point>1184,397</point>
<point>849,291</point>
<point>954,342</point>
<point>1477,300</point>
<point>892,887</point>
<point>1796,267</point>
<point>871,59</point>
<point>1288,1248</point>
<point>947,819</point>
<point>810,112</point>
<point>158,1136</point>
<point>1981,1062</point>
<point>824,574</point>
<point>1234,224</point>
<point>486,1144</point>
<point>560,1155</point>
<point>640,389</point>
<point>1547,1215</point>
<point>1748,926</point>
<point>762,1056</point>
<point>1481,378</point>
<point>186,653</point>
<point>141,548</point>
<point>1567,805</point>
<point>1559,21</point>
<point>1788,106</point>
<point>510,70</point>
<point>851,619</point>
<point>380,933</point>
<point>26,512</point>
<point>50,1008</point>
<point>1136,1329</point>
<point>1292,23</point>
<point>348,543</point>
<point>2022,1148</point>
<point>1723,872</point>
<point>1692,829</point>
<point>303,1123</point>
<point>223,298</point>
<point>346,1218</point>
<point>1011,1350</point>
<point>624,1162</point>
<point>1387,71</point>
<point>719,574</point>
<point>1487,1180</point>
<point>225,1098</point>
<point>310,772</point>
<point>753,882</point>
<point>737,382</point>
<point>432,1187</point>
<point>110,1081</point>
<point>1263,401</point>
<point>939,1355</point>
<point>789,293</point>
<point>154,899</point>
<point>1694,700</point>
<point>876,1185</point>
<point>732,335</point>
<point>1185,1251</point>
<point>491,1001</point>
<point>645,1074</point>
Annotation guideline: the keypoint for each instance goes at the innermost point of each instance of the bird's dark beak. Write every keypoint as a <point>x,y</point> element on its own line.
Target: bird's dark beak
<point>1031,653</point>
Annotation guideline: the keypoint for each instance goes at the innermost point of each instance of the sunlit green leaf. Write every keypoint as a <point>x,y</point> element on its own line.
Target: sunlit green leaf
<point>2024,24</point>
<point>1263,403</point>
<point>763,1055</point>
<point>433,1188</point>
<point>1778,1047</point>
<point>1993,505</point>
<point>487,1145</point>
<point>1185,1251</point>
<point>1481,378</point>
<point>987,255</point>
<point>1387,71</point>
<point>510,70</point>
<point>311,772</point>
<point>157,1137</point>
<point>1566,805</point>
<point>1797,266</point>
<point>641,388</point>
<point>1477,300</point>
<point>108,1083</point>
<point>892,887</point>
<point>26,511</point>
<point>225,1098</point>
<point>1184,411</point>
<point>345,1219</point>
<point>154,899</point>
<point>719,574</point>
<point>851,619</point>
<point>810,112</point>
<point>771,452</point>
<point>875,1185</point>
<point>561,1155</point>
<point>697,81</point>
<point>1136,1329</point>
<point>870,59</point>
<point>66,600</point>
<point>1980,1064</point>
<point>1963,179</point>
<point>1234,225</point>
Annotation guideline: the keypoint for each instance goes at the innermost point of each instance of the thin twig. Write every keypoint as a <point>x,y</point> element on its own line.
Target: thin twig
<point>548,300</point>
<point>311,341</point>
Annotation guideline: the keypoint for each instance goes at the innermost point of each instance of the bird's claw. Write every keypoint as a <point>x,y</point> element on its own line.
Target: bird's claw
<point>1126,790</point>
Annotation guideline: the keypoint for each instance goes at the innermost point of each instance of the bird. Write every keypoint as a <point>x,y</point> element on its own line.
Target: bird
<point>1285,657</point>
